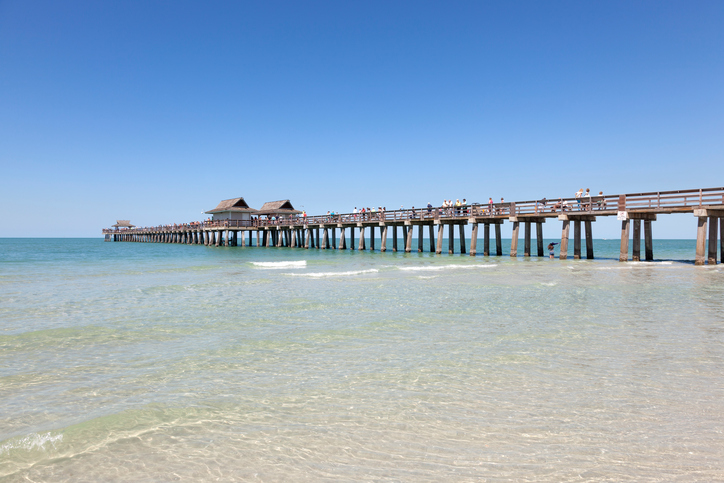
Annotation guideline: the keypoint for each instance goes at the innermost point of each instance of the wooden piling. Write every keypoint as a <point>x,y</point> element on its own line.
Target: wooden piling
<point>432,237</point>
<point>317,234</point>
<point>461,232</point>
<point>474,241</point>
<point>564,239</point>
<point>325,238</point>
<point>486,239</point>
<point>440,232</point>
<point>351,237</point>
<point>394,238</point>
<point>361,238</point>
<point>342,240</point>
<point>408,239</point>
<point>636,248</point>
<point>451,239</point>
<point>589,240</point>
<point>526,245</point>
<point>498,241</point>
<point>372,238</point>
<point>514,240</point>
<point>721,240</point>
<point>419,238</point>
<point>383,239</point>
<point>576,239</point>
<point>623,254</point>
<point>700,241</point>
<point>713,229</point>
<point>539,237</point>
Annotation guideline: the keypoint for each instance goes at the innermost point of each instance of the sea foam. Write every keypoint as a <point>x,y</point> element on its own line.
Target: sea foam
<point>278,265</point>
<point>334,274</point>
<point>31,442</point>
<point>445,267</point>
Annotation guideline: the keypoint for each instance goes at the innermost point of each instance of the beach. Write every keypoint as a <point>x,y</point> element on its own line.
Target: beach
<point>158,362</point>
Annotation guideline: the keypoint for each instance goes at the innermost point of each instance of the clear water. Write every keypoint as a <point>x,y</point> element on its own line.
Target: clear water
<point>151,362</point>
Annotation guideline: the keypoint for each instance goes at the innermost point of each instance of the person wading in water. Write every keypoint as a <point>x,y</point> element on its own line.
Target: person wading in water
<point>551,249</point>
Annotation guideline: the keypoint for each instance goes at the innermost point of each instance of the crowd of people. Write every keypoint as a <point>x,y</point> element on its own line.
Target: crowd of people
<point>584,200</point>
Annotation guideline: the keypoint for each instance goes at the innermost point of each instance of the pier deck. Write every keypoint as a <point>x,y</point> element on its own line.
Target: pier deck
<point>707,205</point>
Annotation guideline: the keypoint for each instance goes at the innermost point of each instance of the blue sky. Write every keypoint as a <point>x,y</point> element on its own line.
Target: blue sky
<point>155,111</point>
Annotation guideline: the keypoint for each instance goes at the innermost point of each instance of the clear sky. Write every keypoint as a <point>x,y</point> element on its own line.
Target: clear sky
<point>154,111</point>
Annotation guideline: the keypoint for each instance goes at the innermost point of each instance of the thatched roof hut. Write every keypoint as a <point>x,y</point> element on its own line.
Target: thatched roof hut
<point>278,208</point>
<point>232,209</point>
<point>123,224</point>
<point>234,205</point>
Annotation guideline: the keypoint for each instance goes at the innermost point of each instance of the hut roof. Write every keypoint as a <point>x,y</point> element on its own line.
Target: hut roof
<point>123,224</point>
<point>234,204</point>
<point>278,208</point>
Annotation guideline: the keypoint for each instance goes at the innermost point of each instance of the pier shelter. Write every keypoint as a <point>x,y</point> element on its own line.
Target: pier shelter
<point>123,225</point>
<point>232,209</point>
<point>116,234</point>
<point>278,209</point>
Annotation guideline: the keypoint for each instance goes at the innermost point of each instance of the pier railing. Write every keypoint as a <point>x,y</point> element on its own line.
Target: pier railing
<point>605,205</point>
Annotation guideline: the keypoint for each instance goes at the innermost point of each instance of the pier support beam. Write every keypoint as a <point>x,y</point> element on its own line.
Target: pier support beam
<point>700,241</point>
<point>526,245</point>
<point>461,232</point>
<point>589,240</point>
<point>316,245</point>
<point>514,240</point>
<point>713,229</point>
<point>451,239</point>
<point>307,238</point>
<point>342,240</point>
<point>486,239</point>
<point>636,248</point>
<point>721,240</point>
<point>361,238</point>
<point>383,239</point>
<point>623,254</point>
<point>351,238</point>
<point>325,239</point>
<point>474,241</point>
<point>539,237</point>
<point>432,238</point>
<point>498,241</point>
<point>419,238</point>
<point>372,238</point>
<point>394,238</point>
<point>294,238</point>
<point>408,238</point>
<point>576,239</point>
<point>564,239</point>
<point>440,232</point>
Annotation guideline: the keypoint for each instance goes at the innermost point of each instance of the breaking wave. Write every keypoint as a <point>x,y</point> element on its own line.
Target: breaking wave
<point>278,265</point>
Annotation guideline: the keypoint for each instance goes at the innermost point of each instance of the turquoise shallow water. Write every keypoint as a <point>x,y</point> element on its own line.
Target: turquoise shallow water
<point>150,362</point>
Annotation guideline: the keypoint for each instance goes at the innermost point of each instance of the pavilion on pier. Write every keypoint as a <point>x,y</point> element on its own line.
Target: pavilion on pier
<point>232,209</point>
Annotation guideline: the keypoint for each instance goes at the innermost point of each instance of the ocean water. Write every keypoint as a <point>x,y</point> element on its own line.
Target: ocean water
<point>153,362</point>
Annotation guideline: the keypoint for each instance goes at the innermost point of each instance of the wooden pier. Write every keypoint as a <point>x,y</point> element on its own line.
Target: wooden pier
<point>320,232</point>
